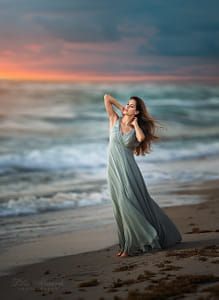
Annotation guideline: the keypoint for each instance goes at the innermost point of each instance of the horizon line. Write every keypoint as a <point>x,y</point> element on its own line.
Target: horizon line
<point>109,78</point>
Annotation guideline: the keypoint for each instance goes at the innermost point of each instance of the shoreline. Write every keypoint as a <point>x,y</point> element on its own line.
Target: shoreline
<point>90,222</point>
<point>60,276</point>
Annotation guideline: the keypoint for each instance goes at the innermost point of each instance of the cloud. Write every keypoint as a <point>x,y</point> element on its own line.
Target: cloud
<point>154,36</point>
<point>181,27</point>
<point>194,44</point>
<point>185,31</point>
<point>81,27</point>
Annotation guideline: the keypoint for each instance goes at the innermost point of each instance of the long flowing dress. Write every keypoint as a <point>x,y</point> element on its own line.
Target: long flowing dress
<point>141,224</point>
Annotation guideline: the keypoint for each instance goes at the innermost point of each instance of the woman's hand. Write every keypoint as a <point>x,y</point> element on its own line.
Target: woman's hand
<point>138,131</point>
<point>134,122</point>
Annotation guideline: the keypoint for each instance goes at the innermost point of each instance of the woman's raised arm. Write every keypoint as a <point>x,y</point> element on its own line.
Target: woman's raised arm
<point>108,101</point>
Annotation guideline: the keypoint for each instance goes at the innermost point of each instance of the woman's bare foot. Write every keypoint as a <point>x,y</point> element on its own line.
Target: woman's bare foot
<point>119,253</point>
<point>124,254</point>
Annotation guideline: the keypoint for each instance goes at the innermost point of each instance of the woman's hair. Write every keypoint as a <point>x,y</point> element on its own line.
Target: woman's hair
<point>148,125</point>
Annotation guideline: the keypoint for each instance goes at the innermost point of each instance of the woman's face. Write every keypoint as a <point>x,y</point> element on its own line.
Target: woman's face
<point>130,107</point>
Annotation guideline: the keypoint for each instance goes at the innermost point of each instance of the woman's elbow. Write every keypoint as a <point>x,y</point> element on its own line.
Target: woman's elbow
<point>106,97</point>
<point>141,139</point>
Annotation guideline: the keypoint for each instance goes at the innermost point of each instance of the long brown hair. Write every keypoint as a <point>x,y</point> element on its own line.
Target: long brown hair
<point>148,124</point>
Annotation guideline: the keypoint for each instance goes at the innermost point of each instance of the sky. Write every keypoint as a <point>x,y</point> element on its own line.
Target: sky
<point>109,40</point>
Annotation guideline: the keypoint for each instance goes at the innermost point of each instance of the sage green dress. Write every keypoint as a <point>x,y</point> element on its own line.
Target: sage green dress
<point>142,225</point>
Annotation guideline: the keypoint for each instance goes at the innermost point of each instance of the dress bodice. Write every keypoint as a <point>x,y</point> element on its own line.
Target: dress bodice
<point>127,139</point>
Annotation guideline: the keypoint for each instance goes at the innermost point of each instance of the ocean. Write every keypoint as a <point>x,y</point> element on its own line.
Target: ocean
<point>53,147</point>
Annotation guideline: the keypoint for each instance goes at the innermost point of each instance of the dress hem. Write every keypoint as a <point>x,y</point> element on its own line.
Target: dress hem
<point>144,247</point>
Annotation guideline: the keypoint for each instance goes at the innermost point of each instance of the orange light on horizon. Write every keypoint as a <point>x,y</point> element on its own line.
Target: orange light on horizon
<point>92,77</point>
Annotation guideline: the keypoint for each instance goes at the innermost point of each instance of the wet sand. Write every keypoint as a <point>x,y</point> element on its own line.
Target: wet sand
<point>189,268</point>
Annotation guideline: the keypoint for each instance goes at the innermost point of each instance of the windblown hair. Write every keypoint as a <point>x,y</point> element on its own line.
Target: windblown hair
<point>148,124</point>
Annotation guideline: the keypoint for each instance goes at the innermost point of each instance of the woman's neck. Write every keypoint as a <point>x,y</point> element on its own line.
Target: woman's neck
<point>126,120</point>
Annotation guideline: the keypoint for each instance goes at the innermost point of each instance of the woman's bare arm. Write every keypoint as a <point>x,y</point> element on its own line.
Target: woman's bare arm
<point>108,101</point>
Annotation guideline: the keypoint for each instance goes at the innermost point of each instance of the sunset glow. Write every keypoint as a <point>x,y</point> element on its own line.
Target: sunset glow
<point>18,75</point>
<point>76,42</point>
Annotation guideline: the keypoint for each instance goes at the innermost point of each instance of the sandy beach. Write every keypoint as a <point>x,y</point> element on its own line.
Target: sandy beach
<point>188,270</point>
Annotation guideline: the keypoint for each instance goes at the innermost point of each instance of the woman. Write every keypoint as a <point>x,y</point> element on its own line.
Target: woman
<point>142,225</point>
